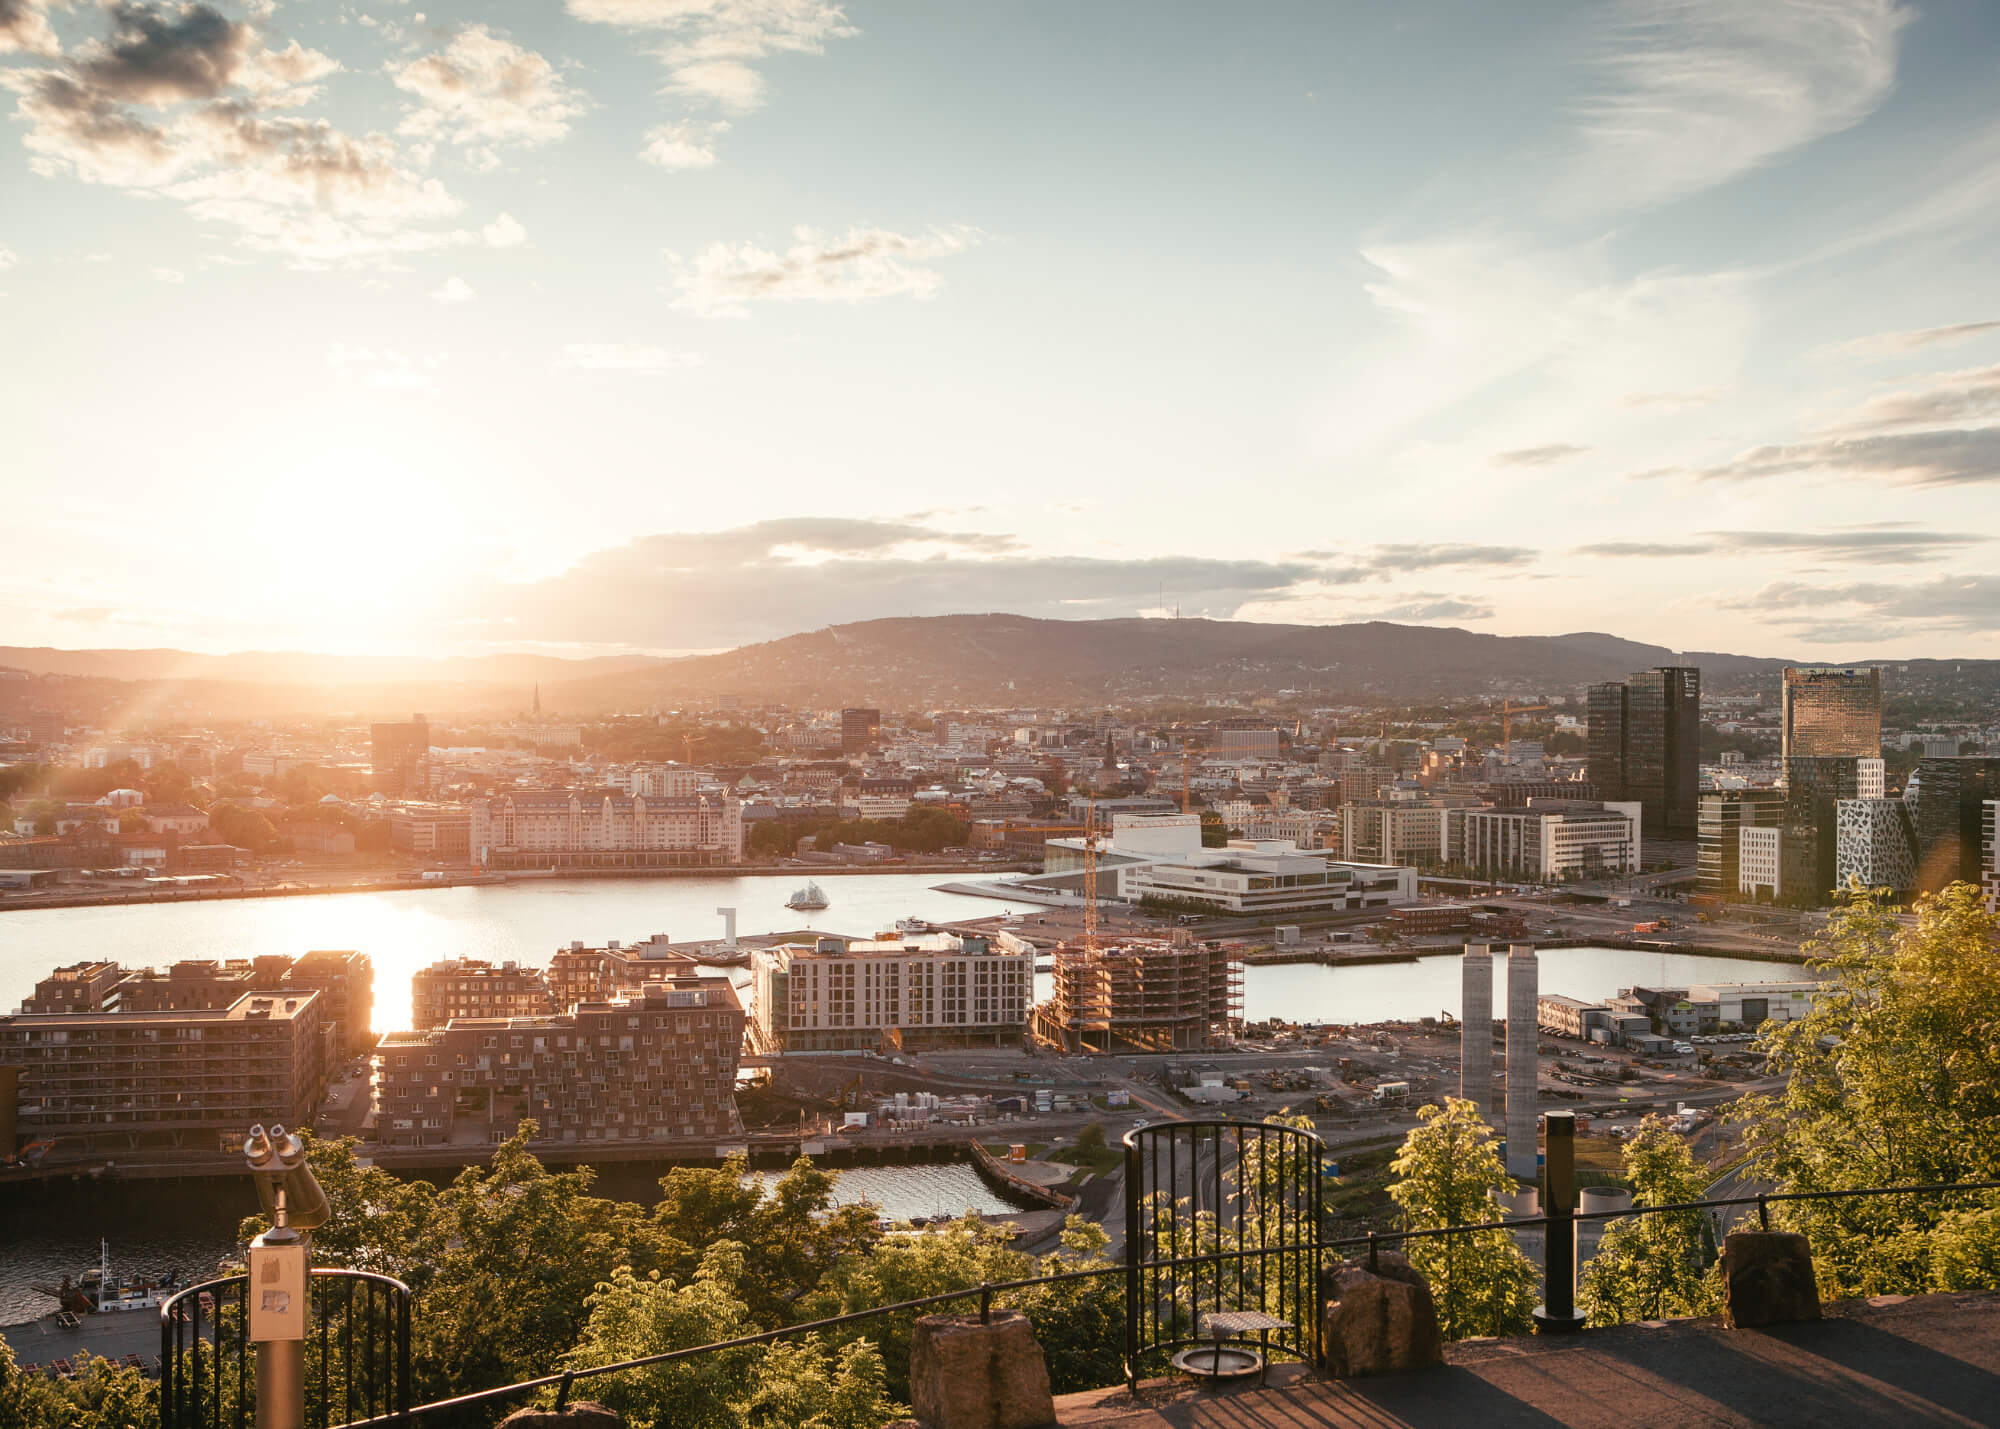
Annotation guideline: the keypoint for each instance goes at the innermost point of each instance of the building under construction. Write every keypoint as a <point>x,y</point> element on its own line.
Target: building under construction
<point>1142,995</point>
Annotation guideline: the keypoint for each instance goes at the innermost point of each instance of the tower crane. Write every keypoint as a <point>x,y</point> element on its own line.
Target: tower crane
<point>1508,709</point>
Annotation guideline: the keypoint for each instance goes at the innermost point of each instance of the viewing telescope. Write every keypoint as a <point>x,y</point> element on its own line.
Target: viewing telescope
<point>277,1161</point>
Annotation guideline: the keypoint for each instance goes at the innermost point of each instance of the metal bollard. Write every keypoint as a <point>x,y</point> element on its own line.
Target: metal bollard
<point>1556,1315</point>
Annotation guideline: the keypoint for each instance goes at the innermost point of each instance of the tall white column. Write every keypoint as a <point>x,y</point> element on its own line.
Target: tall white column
<point>1475,1024</point>
<point>1523,992</point>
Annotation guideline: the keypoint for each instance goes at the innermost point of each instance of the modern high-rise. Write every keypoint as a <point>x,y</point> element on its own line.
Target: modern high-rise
<point>1722,817</point>
<point>1875,844</point>
<point>1948,803</point>
<point>1814,787</point>
<point>1645,745</point>
<point>859,729</point>
<point>400,756</point>
<point>1831,711</point>
<point>1989,854</point>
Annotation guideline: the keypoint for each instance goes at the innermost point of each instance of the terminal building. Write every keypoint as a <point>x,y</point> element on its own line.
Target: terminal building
<point>916,991</point>
<point>656,1066</point>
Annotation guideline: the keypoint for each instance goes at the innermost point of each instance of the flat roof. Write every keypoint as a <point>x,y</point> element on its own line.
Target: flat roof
<point>274,1006</point>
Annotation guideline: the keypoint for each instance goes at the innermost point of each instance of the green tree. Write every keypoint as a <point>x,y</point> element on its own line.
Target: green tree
<point>1080,1323</point>
<point>379,1222</point>
<point>1447,1171</point>
<point>1892,1078</point>
<point>245,828</point>
<point>100,1396</point>
<point>1652,1267</point>
<point>633,1315</point>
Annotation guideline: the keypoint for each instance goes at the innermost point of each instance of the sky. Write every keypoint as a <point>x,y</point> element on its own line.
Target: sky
<point>591,326</point>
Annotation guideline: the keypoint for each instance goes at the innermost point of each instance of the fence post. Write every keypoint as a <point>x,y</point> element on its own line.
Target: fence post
<point>985,1303</point>
<point>1557,1313</point>
<point>1133,1192</point>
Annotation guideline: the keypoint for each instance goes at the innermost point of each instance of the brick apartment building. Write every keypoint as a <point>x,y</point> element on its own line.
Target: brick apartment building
<point>473,987</point>
<point>655,1066</point>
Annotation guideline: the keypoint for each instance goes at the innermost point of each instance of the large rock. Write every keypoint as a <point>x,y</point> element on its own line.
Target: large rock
<point>1378,1321</point>
<point>577,1414</point>
<point>1770,1277</point>
<point>968,1375</point>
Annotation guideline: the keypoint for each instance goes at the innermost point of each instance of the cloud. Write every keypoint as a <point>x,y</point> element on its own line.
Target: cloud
<point>684,144</point>
<point>383,368</point>
<point>709,46</point>
<point>1429,606</point>
<point>1390,558</point>
<point>1956,604</point>
<point>1694,93</point>
<point>1938,458</point>
<point>1538,456</point>
<point>24,26</point>
<point>1673,401</point>
<point>1946,397</point>
<point>1890,543</point>
<point>8,258</point>
<point>710,589</point>
<point>630,357</point>
<point>183,103</point>
<point>483,89</point>
<point>1889,344</point>
<point>454,290</point>
<point>857,267</point>
<point>504,232</point>
<point>170,275</point>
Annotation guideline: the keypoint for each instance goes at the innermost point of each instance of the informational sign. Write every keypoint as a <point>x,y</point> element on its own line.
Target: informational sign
<point>279,1294</point>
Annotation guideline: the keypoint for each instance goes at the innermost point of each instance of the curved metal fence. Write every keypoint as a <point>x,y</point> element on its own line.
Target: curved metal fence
<point>357,1352</point>
<point>1221,1217</point>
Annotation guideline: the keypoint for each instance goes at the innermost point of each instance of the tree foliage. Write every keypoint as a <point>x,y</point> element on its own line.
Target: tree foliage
<point>1653,1267</point>
<point>1892,1078</point>
<point>101,1396</point>
<point>1447,1172</point>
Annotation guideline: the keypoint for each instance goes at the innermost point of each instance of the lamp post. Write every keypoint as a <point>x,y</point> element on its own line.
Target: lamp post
<point>280,1299</point>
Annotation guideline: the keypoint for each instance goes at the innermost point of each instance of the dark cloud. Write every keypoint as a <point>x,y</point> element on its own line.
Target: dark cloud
<point>159,54</point>
<point>24,25</point>
<point>1422,557</point>
<point>1956,457</point>
<point>704,590</point>
<point>1538,456</point>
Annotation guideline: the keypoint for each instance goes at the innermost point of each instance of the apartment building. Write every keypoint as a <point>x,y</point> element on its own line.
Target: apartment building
<point>1142,995</point>
<point>578,973</point>
<point>440,833</point>
<point>918,991</point>
<point>346,980</point>
<point>658,1065</point>
<point>687,827</point>
<point>474,987</point>
<point>1548,840</point>
<point>80,987</point>
<point>105,1080</point>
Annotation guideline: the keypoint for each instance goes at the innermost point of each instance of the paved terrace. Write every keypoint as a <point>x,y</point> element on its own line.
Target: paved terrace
<point>1931,1360</point>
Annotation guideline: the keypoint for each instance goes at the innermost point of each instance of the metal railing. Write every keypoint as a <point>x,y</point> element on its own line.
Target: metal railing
<point>357,1352</point>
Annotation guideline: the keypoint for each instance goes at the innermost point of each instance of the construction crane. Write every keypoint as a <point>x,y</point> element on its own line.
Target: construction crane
<point>1508,709</point>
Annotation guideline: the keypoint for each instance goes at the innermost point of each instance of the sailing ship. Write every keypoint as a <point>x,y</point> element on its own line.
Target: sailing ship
<point>810,898</point>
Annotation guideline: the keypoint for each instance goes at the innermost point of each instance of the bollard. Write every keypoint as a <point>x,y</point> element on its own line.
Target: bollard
<point>1556,1315</point>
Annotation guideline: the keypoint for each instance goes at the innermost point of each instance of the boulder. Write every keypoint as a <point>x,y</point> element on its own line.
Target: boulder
<point>1378,1321</point>
<point>1770,1278</point>
<point>577,1414</point>
<point>969,1375</point>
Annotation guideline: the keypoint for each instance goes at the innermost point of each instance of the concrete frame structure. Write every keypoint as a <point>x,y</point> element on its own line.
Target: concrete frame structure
<point>1523,1028</point>
<point>1475,1021</point>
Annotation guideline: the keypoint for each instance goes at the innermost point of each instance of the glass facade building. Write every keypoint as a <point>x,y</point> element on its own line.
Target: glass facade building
<point>1833,711</point>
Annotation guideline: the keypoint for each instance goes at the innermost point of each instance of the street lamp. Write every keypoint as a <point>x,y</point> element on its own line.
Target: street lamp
<point>280,1298</point>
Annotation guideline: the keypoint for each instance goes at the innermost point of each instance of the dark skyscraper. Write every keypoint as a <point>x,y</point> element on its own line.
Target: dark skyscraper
<point>1833,712</point>
<point>1949,797</point>
<point>1645,744</point>
<point>399,753</point>
<point>859,729</point>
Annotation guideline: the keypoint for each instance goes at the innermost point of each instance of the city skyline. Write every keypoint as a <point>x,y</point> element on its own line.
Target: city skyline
<point>672,325</point>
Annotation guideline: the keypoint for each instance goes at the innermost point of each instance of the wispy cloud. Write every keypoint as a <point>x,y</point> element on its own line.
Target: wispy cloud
<point>1943,397</point>
<point>1889,344</point>
<point>1538,456</point>
<point>1945,458</point>
<point>859,266</point>
<point>683,144</point>
<point>1693,93</point>
<point>1955,604</point>
<point>637,359</point>
<point>484,89</point>
<point>383,368</point>
<point>1883,544</point>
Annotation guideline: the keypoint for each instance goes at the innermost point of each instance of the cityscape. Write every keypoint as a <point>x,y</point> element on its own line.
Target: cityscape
<point>783,714</point>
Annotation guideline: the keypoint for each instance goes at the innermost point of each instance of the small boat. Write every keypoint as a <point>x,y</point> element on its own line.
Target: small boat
<point>912,925</point>
<point>95,1293</point>
<point>811,897</point>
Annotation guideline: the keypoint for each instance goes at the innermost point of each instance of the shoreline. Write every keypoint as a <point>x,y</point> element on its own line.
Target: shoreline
<point>119,898</point>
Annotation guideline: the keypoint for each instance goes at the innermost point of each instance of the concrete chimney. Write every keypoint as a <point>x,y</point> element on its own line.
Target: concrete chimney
<point>1523,994</point>
<point>1475,1030</point>
<point>728,916</point>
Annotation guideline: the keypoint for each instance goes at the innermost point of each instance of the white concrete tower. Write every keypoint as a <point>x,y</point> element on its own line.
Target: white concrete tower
<point>1475,1029</point>
<point>1523,993</point>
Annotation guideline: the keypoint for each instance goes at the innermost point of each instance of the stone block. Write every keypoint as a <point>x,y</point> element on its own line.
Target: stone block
<point>577,1414</point>
<point>1770,1278</point>
<point>968,1375</point>
<point>1378,1321</point>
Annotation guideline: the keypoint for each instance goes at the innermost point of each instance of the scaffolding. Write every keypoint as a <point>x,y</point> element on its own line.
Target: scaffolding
<point>1142,995</point>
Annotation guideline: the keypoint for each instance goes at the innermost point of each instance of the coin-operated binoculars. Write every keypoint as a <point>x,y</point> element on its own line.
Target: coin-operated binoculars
<point>280,1300</point>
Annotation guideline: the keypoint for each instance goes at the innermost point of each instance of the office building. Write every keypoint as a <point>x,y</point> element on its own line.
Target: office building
<point>473,987</point>
<point>1406,830</point>
<point>1831,712</point>
<point>860,730</point>
<point>656,1066</point>
<point>1814,785</point>
<point>1760,863</point>
<point>914,991</point>
<point>1722,815</point>
<point>1948,799</point>
<point>1644,745</point>
<point>1142,995</point>
<point>1547,841</point>
<point>103,1081</point>
<point>436,833</point>
<point>47,727</point>
<point>689,827</point>
<point>1989,853</point>
<point>400,757</point>
<point>1875,843</point>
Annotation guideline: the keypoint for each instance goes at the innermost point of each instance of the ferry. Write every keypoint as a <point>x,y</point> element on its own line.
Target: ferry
<point>810,898</point>
<point>912,925</point>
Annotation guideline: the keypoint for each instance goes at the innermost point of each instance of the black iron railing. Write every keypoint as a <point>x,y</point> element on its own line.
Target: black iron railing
<point>357,1362</point>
